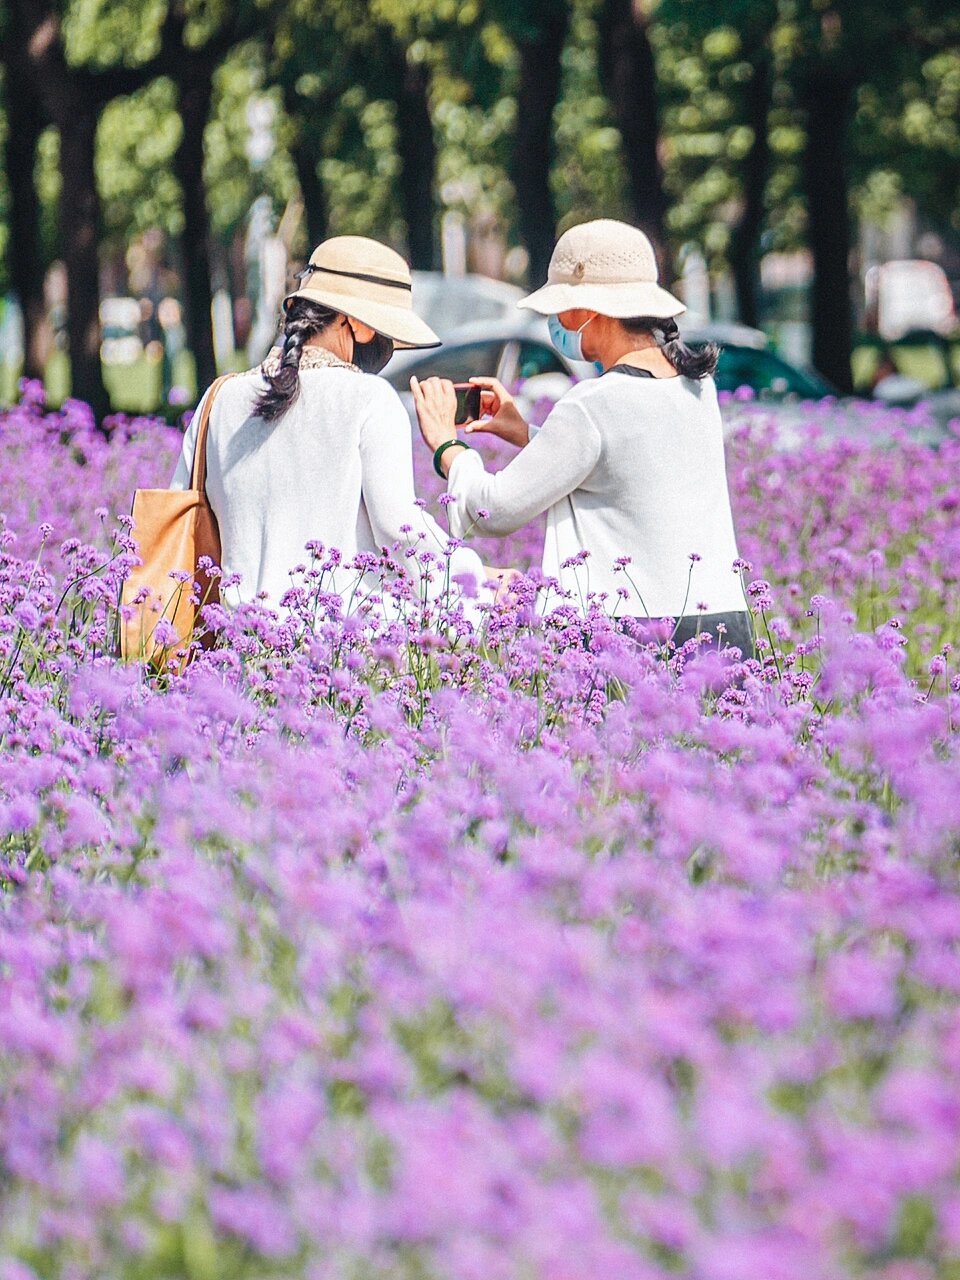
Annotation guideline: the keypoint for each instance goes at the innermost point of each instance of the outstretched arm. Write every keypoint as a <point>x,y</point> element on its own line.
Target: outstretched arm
<point>386,455</point>
<point>557,460</point>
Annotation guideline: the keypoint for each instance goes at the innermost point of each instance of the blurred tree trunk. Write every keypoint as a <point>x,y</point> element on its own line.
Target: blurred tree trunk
<point>191,69</point>
<point>540,74</point>
<point>79,241</point>
<point>629,78</point>
<point>72,98</point>
<point>307,157</point>
<point>69,99</point>
<point>745,238</point>
<point>828,98</point>
<point>418,162</point>
<point>25,123</point>
<point>316,208</point>
<point>195,86</point>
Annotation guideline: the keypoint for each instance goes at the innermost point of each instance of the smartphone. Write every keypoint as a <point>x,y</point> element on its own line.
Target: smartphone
<point>468,402</point>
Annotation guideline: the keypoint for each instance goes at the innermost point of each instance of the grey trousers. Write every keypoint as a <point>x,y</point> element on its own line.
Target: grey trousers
<point>738,631</point>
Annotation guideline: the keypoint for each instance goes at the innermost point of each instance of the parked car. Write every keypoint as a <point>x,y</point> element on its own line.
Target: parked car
<point>748,360</point>
<point>447,302</point>
<point>518,351</point>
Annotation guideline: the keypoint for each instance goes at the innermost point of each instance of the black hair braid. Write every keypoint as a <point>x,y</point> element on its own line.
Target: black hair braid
<point>302,320</point>
<point>700,362</point>
<point>691,362</point>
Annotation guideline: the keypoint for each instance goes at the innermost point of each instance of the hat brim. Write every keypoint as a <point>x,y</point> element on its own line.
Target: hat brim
<point>400,324</point>
<point>622,301</point>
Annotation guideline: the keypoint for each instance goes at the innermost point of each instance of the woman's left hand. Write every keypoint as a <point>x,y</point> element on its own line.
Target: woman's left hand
<point>436,403</point>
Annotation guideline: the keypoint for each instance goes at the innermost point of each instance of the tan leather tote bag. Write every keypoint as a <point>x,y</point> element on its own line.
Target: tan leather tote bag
<point>173,529</point>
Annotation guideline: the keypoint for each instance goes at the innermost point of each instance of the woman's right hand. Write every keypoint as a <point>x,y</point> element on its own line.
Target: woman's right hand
<point>504,418</point>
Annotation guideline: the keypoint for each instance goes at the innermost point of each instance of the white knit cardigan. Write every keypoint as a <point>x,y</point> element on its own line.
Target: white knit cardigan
<point>627,469</point>
<point>336,468</point>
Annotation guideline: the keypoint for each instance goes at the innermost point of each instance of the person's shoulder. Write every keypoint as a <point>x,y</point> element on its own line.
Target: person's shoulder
<point>595,395</point>
<point>367,388</point>
<point>578,411</point>
<point>377,393</point>
<point>703,391</point>
<point>380,388</point>
<point>613,384</point>
<point>378,403</point>
<point>586,399</point>
<point>580,397</point>
<point>584,390</point>
<point>230,390</point>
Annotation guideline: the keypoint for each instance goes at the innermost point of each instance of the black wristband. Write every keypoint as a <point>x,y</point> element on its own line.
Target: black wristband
<point>447,444</point>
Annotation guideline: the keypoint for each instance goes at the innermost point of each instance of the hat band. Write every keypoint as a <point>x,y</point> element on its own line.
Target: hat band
<point>579,282</point>
<point>356,275</point>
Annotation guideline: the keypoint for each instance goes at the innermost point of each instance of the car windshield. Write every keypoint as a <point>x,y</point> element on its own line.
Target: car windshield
<point>447,303</point>
<point>534,359</point>
<point>458,363</point>
<point>766,372</point>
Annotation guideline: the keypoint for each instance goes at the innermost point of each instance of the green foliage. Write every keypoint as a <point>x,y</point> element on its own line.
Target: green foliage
<point>103,33</point>
<point>361,181</point>
<point>232,182</point>
<point>136,141</point>
<point>916,1226</point>
<point>474,155</point>
<point>48,188</point>
<point>589,179</point>
<point>4,210</point>
<point>921,129</point>
<point>332,72</point>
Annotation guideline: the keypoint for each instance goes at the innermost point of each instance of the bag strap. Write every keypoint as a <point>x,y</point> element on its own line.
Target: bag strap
<point>198,474</point>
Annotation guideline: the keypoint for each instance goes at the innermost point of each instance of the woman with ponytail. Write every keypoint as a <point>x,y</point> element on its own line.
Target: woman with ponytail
<point>629,467</point>
<point>311,447</point>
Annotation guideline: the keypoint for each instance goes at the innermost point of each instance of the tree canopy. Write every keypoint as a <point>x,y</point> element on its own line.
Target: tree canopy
<point>759,125</point>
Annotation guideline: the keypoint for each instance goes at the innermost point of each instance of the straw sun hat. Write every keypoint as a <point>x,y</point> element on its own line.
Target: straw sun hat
<point>368,281</point>
<point>605,266</point>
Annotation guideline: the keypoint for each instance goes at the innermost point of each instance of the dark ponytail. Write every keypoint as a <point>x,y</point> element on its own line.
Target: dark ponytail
<point>302,320</point>
<point>691,362</point>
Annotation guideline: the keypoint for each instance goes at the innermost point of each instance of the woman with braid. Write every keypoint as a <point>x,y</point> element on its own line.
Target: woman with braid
<point>312,447</point>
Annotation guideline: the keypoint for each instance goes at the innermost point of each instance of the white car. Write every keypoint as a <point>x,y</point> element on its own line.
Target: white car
<point>447,302</point>
<point>517,350</point>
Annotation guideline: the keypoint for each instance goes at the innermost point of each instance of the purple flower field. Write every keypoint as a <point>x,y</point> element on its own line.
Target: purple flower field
<point>403,950</point>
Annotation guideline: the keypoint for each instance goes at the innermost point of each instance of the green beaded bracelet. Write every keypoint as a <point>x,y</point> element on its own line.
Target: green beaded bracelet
<point>447,444</point>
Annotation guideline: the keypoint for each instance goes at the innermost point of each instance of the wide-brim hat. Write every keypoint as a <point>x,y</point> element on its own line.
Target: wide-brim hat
<point>368,281</point>
<point>604,266</point>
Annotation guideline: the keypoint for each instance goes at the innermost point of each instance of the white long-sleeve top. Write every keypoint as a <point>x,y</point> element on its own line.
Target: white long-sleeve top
<point>336,468</point>
<point>624,466</point>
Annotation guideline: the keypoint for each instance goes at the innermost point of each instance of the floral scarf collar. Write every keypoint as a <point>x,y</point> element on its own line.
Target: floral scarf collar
<point>310,358</point>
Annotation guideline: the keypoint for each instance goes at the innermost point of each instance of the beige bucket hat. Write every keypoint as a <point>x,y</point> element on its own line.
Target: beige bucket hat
<point>368,281</point>
<point>605,266</point>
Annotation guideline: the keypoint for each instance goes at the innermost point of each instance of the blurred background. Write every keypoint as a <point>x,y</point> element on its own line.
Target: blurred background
<point>168,165</point>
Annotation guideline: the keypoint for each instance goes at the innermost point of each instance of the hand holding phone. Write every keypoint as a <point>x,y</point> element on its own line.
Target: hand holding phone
<point>468,403</point>
<point>503,417</point>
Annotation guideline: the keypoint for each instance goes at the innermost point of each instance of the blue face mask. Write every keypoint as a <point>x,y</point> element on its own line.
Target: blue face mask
<point>568,341</point>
